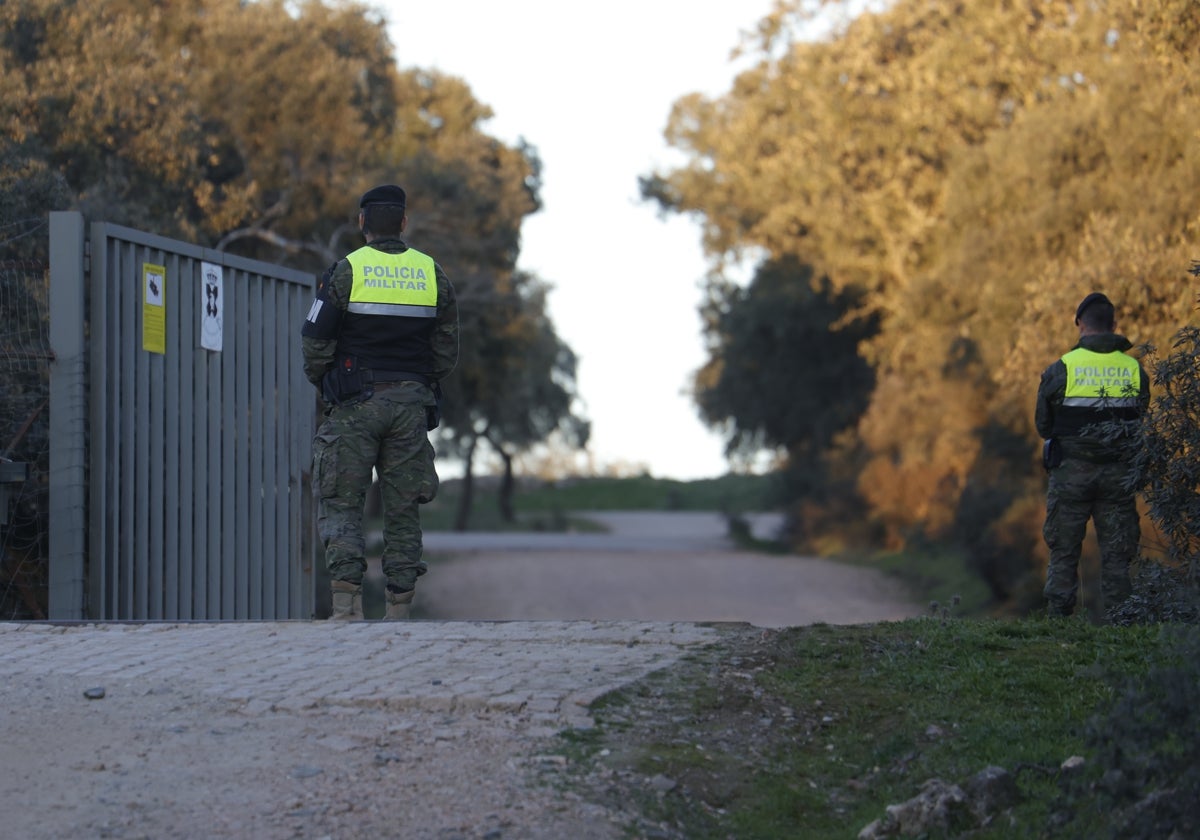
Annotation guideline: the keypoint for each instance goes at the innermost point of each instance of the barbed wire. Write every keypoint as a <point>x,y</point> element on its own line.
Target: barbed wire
<point>37,224</point>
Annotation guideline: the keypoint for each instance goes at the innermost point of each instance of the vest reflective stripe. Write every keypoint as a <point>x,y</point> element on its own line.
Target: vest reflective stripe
<point>1101,402</point>
<point>403,309</point>
<point>403,284</point>
<point>1101,379</point>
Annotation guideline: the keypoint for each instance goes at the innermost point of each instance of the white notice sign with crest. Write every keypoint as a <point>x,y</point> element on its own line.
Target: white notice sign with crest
<point>212,302</point>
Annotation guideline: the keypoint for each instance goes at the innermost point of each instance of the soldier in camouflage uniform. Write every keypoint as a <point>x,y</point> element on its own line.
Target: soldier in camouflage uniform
<point>1096,382</point>
<point>381,334</point>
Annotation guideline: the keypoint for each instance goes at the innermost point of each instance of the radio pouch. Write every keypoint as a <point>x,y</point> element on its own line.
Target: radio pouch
<point>345,383</point>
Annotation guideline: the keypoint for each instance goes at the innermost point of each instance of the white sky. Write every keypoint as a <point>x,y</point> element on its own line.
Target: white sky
<point>591,86</point>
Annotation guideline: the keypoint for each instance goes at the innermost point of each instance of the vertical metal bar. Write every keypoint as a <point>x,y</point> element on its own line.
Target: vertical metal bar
<point>303,414</point>
<point>113,293</point>
<point>167,420</point>
<point>264,396</point>
<point>250,479</point>
<point>202,512</point>
<point>151,512</point>
<point>229,434</point>
<point>68,418</point>
<point>214,365</point>
<point>259,442</point>
<point>285,553</point>
<point>213,509</point>
<point>118,490</point>
<point>102,470</point>
<point>141,471</point>
<point>127,275</point>
<point>185,449</point>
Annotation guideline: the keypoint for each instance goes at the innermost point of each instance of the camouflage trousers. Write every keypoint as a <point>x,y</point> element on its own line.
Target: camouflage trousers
<point>1080,490</point>
<point>385,434</point>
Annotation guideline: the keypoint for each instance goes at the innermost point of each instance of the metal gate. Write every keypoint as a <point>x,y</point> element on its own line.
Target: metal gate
<point>184,376</point>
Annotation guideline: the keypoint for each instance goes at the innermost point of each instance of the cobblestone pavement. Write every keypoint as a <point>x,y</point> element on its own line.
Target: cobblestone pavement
<point>330,731</point>
<point>548,670</point>
<point>443,729</point>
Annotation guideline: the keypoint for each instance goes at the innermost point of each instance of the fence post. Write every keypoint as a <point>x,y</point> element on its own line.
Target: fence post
<point>68,418</point>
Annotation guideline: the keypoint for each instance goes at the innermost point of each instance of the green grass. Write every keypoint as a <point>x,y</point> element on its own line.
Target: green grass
<point>729,494</point>
<point>937,575</point>
<point>861,716</point>
<point>553,506</point>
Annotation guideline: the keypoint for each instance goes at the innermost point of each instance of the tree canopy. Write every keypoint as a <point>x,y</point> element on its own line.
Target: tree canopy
<point>254,128</point>
<point>785,333</point>
<point>973,170</point>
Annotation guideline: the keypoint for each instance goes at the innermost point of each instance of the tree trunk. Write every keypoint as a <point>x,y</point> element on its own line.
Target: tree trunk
<point>463,518</point>
<point>507,513</point>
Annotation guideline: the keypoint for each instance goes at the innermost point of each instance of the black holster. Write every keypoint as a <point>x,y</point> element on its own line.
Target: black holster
<point>346,383</point>
<point>1051,454</point>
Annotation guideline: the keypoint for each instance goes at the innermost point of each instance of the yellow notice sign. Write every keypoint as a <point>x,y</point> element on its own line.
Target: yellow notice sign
<point>154,308</point>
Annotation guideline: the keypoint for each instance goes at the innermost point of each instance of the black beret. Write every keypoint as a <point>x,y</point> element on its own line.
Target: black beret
<point>385,194</point>
<point>1094,297</point>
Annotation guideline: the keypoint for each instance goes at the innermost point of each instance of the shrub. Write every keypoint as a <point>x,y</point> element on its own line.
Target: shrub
<point>1145,777</point>
<point>1166,464</point>
<point>1162,593</point>
<point>1167,471</point>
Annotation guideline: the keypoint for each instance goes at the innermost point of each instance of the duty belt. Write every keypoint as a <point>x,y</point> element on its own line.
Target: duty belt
<point>396,376</point>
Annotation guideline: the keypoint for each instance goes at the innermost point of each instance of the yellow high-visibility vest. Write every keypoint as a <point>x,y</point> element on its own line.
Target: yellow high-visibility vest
<point>1101,380</point>
<point>403,284</point>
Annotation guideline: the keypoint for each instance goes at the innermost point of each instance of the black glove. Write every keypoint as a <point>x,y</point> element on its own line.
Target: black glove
<point>433,413</point>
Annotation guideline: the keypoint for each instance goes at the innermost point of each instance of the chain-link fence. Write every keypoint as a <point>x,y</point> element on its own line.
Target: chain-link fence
<point>24,434</point>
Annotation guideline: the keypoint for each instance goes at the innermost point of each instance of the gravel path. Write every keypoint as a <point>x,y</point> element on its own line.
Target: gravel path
<point>650,566</point>
<point>438,728</point>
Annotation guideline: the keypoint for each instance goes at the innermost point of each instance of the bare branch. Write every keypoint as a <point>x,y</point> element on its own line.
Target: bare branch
<point>291,246</point>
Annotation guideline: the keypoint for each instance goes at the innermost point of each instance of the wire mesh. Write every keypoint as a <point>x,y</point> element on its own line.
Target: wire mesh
<point>25,358</point>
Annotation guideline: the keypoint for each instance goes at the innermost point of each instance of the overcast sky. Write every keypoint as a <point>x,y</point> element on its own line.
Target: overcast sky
<point>591,86</point>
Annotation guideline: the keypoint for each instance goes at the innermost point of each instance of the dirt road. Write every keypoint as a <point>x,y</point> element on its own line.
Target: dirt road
<point>649,566</point>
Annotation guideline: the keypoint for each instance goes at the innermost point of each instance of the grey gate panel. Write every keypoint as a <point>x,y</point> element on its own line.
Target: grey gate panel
<point>199,499</point>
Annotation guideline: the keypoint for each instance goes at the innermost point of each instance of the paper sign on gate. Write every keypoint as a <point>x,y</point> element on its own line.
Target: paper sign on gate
<point>212,305</point>
<point>154,308</point>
